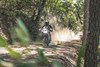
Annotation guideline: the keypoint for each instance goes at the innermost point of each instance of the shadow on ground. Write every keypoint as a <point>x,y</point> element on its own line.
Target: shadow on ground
<point>66,53</point>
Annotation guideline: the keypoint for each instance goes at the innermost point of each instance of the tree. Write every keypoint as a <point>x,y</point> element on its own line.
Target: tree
<point>35,22</point>
<point>86,18</point>
<point>69,13</point>
<point>90,59</point>
<point>28,10</point>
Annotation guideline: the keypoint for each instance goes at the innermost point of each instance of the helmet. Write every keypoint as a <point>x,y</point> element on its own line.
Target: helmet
<point>46,23</point>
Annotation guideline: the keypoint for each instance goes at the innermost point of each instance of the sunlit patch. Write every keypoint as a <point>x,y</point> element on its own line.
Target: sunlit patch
<point>2,34</point>
<point>63,1</point>
<point>64,35</point>
<point>61,36</point>
<point>3,50</point>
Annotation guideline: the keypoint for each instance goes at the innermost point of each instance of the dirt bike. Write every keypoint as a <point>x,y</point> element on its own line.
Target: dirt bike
<point>46,36</point>
<point>46,39</point>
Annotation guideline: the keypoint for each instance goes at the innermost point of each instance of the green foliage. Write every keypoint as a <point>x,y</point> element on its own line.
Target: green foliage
<point>21,33</point>
<point>5,64</point>
<point>56,64</point>
<point>10,9</point>
<point>27,65</point>
<point>68,12</point>
<point>80,56</point>
<point>12,53</point>
<point>3,43</point>
<point>44,61</point>
<point>41,57</point>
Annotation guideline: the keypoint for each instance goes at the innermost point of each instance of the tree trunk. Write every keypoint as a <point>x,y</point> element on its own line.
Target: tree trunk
<point>86,19</point>
<point>90,59</point>
<point>35,22</point>
<point>5,27</point>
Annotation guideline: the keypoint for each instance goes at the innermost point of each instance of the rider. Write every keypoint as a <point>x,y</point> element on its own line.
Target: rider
<point>48,29</point>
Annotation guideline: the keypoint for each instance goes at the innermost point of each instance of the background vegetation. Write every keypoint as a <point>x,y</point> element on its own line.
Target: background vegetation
<point>34,12</point>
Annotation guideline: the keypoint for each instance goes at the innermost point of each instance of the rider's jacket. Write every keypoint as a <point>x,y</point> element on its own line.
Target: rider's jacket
<point>46,29</point>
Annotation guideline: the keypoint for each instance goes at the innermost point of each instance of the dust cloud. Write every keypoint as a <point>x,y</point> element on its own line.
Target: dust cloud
<point>61,34</point>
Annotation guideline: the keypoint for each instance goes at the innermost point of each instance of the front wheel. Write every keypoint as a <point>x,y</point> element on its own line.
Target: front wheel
<point>46,39</point>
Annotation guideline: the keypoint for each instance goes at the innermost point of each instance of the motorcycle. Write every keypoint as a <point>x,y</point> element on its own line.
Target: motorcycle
<point>46,36</point>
